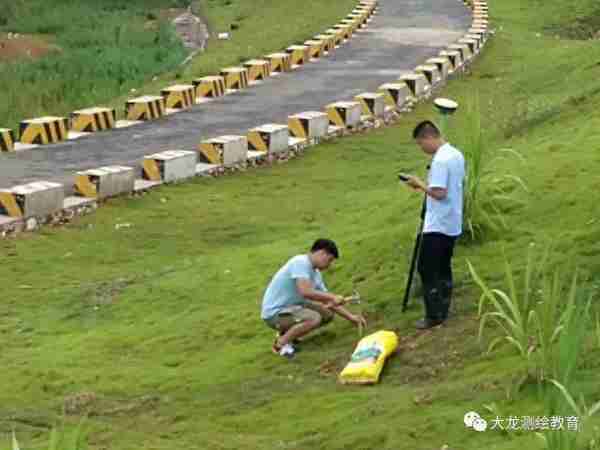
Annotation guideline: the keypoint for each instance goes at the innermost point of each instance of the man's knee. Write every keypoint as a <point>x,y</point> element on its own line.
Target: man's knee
<point>326,317</point>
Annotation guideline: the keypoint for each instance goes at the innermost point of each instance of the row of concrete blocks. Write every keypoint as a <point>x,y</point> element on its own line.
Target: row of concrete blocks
<point>44,198</point>
<point>49,130</point>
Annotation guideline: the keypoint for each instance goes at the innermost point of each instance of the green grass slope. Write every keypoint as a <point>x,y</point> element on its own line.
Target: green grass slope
<point>160,320</point>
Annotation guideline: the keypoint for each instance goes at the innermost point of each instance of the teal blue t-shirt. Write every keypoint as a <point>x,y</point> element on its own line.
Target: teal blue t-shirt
<point>282,291</point>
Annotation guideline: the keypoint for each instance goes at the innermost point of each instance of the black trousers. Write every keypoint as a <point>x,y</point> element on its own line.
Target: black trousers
<point>435,269</point>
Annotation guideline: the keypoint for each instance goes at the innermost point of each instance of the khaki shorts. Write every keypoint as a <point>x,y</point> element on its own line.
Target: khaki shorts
<point>292,315</point>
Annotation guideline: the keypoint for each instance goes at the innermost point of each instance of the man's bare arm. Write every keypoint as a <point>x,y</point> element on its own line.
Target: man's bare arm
<point>307,290</point>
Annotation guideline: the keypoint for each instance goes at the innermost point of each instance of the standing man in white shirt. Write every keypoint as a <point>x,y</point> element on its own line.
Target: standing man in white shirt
<point>442,222</point>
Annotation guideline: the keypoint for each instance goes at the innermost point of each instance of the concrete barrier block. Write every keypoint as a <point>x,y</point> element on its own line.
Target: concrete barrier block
<point>328,41</point>
<point>179,96</point>
<point>40,198</point>
<point>443,65</point>
<point>417,84</point>
<point>308,125</point>
<point>344,114</point>
<point>299,55</point>
<point>372,103</point>
<point>105,182</point>
<point>473,44</point>
<point>235,77</point>
<point>44,130</point>
<point>270,138</point>
<point>455,58</point>
<point>481,33</point>
<point>316,48</point>
<point>169,166</point>
<point>280,62</point>
<point>359,17</point>
<point>345,30</point>
<point>7,140</point>
<point>465,51</point>
<point>431,72</point>
<point>93,119</point>
<point>353,24</point>
<point>209,87</point>
<point>224,150</point>
<point>338,35</point>
<point>395,94</point>
<point>258,69</point>
<point>145,108</point>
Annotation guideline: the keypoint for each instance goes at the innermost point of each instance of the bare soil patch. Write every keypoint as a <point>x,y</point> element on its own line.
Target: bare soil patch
<point>15,46</point>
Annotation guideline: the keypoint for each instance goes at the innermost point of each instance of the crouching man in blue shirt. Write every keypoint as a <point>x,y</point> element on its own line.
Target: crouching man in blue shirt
<point>297,302</point>
<point>443,221</point>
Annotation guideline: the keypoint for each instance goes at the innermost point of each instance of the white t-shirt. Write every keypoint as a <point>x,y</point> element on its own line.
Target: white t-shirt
<point>447,172</point>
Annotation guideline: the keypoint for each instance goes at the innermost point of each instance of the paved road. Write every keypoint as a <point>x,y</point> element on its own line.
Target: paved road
<point>402,35</point>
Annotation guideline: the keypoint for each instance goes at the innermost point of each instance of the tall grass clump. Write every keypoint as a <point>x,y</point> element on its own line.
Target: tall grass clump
<point>541,317</point>
<point>487,193</point>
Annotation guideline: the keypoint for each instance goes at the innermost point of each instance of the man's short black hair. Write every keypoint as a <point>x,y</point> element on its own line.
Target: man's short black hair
<point>426,129</point>
<point>326,244</point>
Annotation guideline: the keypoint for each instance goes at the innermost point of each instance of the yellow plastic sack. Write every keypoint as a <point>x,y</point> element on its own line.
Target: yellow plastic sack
<point>369,357</point>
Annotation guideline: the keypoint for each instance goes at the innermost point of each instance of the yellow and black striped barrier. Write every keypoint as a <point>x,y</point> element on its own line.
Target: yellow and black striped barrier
<point>179,96</point>
<point>235,77</point>
<point>308,125</point>
<point>169,166</point>
<point>473,44</point>
<point>416,82</point>
<point>7,140</point>
<point>344,114</point>
<point>481,33</point>
<point>372,103</point>
<point>395,94</point>
<point>258,69</point>
<point>431,72</point>
<point>44,130</point>
<point>269,138</point>
<point>455,58</point>
<point>442,64</point>
<point>280,62</point>
<point>316,48</point>
<point>148,107</point>
<point>345,30</point>
<point>352,23</point>
<point>39,199</point>
<point>328,41</point>
<point>358,18</point>
<point>209,87</point>
<point>224,150</point>
<point>465,51</point>
<point>299,55</point>
<point>338,35</point>
<point>105,182</point>
<point>90,120</point>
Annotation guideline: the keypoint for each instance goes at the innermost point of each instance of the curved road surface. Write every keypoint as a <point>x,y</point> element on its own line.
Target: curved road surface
<point>402,35</point>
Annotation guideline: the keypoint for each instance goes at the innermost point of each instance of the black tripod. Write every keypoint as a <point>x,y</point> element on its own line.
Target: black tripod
<point>416,254</point>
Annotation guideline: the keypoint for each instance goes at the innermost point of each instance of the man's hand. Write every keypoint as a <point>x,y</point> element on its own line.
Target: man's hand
<point>359,320</point>
<point>338,300</point>
<point>416,183</point>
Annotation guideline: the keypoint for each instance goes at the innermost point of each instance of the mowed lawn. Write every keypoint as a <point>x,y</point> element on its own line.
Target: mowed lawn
<point>160,319</point>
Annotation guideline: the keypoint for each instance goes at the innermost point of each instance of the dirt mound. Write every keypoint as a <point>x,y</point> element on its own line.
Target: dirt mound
<point>15,46</point>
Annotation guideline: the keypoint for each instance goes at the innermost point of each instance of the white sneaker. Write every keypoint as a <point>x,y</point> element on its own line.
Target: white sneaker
<point>287,351</point>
